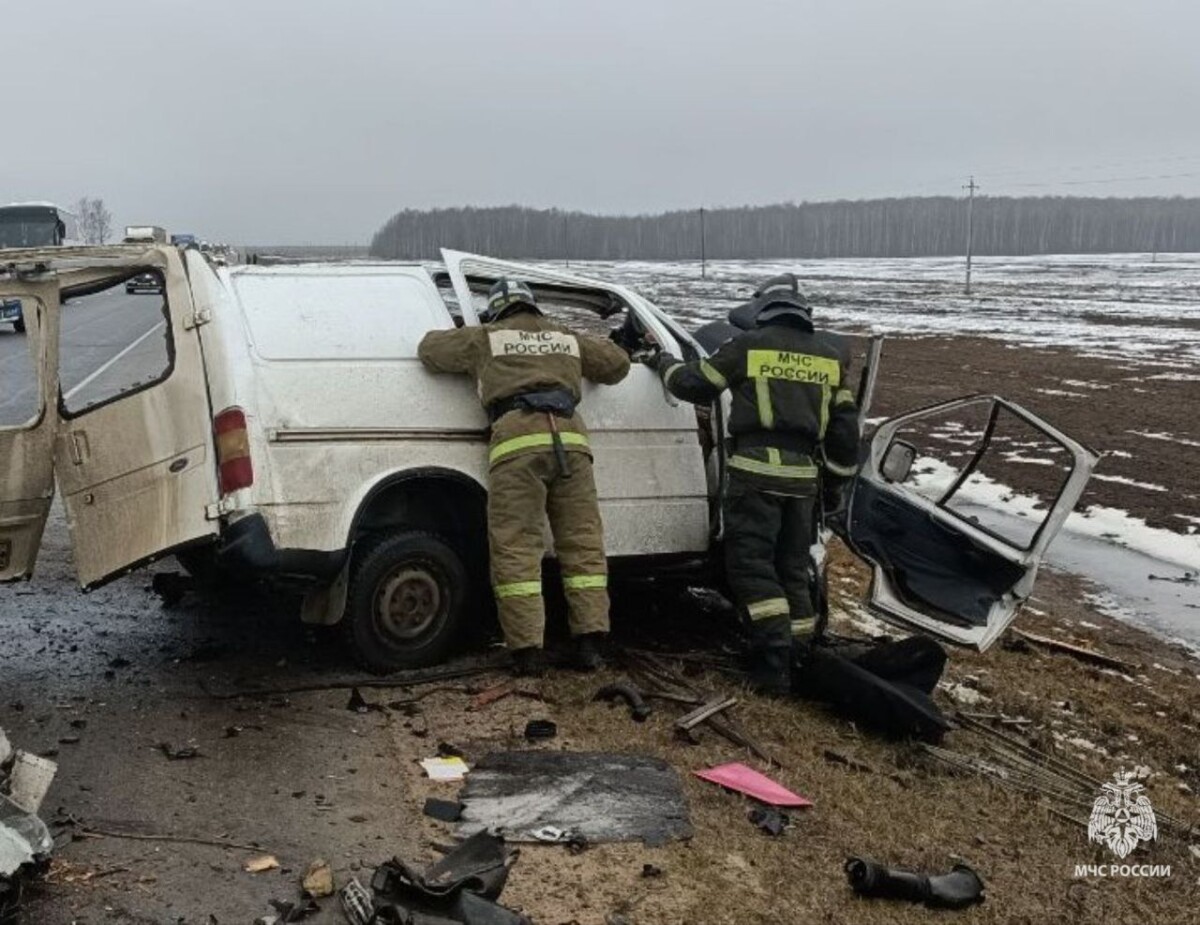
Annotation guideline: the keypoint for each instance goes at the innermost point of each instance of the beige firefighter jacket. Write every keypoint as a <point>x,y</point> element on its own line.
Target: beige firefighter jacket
<point>526,352</point>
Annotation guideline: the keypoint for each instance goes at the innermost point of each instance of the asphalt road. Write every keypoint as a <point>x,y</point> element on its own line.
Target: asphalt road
<point>108,342</point>
<point>100,681</point>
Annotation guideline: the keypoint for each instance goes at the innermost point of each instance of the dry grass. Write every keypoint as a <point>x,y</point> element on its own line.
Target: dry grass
<point>906,811</point>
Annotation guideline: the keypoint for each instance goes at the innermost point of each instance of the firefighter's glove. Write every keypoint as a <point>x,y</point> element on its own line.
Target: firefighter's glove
<point>661,361</point>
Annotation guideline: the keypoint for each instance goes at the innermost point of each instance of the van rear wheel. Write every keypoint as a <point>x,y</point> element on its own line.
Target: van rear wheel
<point>407,602</point>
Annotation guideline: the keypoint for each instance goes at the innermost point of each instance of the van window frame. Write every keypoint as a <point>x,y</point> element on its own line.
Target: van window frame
<point>111,283</point>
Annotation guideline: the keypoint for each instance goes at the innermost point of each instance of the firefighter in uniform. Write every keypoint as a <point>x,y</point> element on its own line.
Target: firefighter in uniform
<point>792,414</point>
<point>529,372</point>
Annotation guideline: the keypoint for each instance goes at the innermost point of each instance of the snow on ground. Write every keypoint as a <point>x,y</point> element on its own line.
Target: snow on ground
<point>1168,437</point>
<point>1133,483</point>
<point>931,477</point>
<point>1125,307</point>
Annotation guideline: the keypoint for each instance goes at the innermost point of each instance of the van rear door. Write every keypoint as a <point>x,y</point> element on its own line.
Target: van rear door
<point>134,451</point>
<point>28,417</point>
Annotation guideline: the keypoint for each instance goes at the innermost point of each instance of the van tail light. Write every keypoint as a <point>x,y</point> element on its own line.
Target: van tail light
<point>233,450</point>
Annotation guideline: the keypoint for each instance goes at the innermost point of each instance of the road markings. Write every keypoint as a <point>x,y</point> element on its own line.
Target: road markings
<point>109,365</point>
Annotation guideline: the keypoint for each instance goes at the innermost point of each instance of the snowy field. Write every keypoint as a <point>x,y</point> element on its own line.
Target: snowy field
<point>1140,312</point>
<point>1128,307</point>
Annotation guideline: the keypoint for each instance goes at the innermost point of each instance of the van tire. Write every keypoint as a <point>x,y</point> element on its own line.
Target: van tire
<point>424,578</point>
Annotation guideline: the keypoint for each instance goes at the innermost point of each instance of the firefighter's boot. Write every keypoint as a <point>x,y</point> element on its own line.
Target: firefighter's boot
<point>771,655</point>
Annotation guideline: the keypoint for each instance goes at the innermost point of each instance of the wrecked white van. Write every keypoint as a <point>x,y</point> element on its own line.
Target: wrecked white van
<point>291,434</point>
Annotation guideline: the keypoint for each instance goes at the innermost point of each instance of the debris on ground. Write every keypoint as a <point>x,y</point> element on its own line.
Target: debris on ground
<point>659,681</point>
<point>356,903</point>
<point>958,889</point>
<point>318,879</point>
<point>443,810</point>
<point>359,704</point>
<point>689,721</point>
<point>288,911</point>
<point>490,695</point>
<point>737,776</point>
<point>25,842</point>
<point>1079,652</point>
<point>445,769</point>
<point>770,819</point>
<point>1012,763</point>
<point>639,710</point>
<point>261,863</point>
<point>594,796</point>
<point>849,761</point>
<point>884,687</point>
<point>461,887</point>
<point>179,752</point>
<point>537,729</point>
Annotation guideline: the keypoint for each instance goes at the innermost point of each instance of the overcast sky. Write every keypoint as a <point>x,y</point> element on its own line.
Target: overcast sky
<point>267,121</point>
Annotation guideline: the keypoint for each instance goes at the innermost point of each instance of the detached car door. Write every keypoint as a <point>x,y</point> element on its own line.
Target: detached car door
<point>954,508</point>
<point>28,418</point>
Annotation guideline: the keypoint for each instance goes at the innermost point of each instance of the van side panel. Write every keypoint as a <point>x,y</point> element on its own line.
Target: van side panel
<point>340,404</point>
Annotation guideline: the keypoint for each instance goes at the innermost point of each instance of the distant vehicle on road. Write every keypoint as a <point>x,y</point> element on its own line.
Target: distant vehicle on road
<point>145,234</point>
<point>144,282</point>
<point>185,240</point>
<point>33,224</point>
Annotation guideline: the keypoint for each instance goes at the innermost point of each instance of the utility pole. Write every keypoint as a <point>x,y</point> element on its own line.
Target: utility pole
<point>703,252</point>
<point>970,188</point>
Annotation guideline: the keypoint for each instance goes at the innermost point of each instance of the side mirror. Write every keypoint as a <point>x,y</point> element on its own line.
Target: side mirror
<point>898,461</point>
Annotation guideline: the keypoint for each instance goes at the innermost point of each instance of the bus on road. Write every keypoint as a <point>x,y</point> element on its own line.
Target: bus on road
<point>33,224</point>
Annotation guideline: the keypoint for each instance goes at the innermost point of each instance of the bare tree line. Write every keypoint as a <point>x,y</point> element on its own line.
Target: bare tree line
<point>906,227</point>
<point>95,221</point>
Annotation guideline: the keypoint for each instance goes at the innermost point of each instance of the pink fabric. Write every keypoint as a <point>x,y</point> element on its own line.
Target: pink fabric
<point>736,776</point>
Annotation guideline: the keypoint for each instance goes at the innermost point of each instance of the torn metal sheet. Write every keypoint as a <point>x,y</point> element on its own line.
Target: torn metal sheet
<point>591,796</point>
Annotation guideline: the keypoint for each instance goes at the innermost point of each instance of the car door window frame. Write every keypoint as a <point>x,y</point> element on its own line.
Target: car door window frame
<point>1082,461</point>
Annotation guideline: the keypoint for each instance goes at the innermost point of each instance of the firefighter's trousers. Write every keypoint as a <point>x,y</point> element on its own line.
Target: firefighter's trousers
<point>768,552</point>
<point>525,492</point>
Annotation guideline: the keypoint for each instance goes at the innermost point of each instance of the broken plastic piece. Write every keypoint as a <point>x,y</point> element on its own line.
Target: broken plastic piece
<point>541,729</point>
<point>736,776</point>
<point>356,903</point>
<point>259,864</point>
<point>955,890</point>
<point>461,887</point>
<point>443,810</point>
<point>445,769</point>
<point>770,819</point>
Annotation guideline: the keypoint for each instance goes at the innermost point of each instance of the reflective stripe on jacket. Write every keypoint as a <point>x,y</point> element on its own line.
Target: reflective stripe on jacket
<point>790,405</point>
